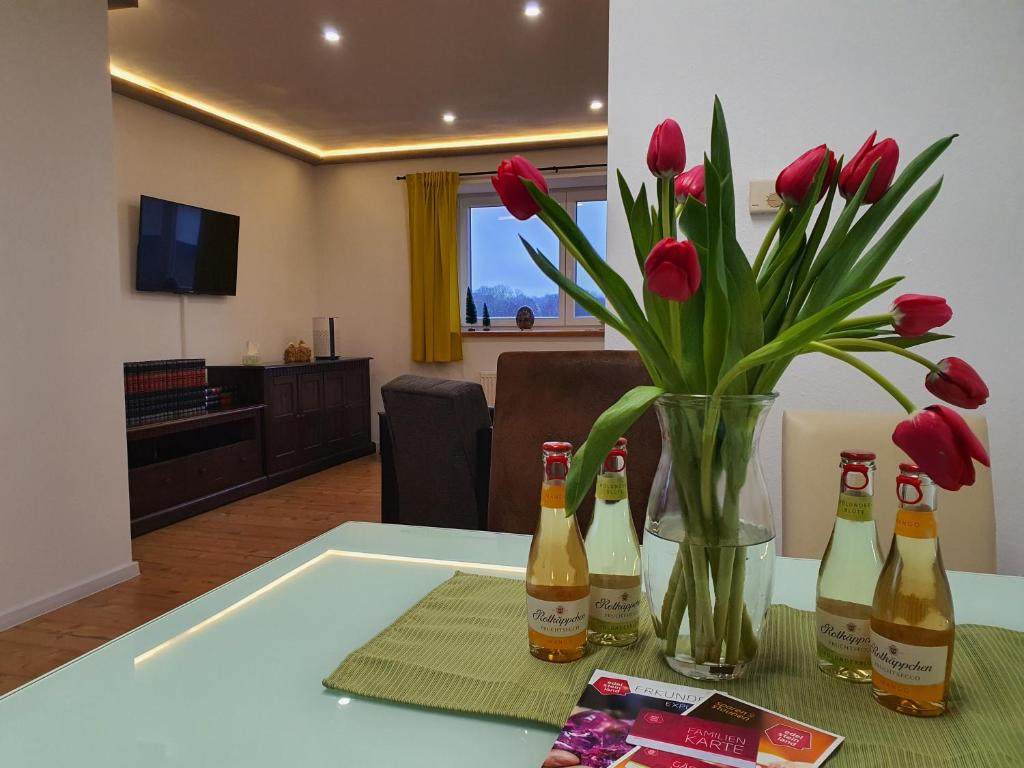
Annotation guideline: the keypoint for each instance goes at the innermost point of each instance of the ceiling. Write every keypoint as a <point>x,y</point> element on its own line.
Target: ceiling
<point>400,65</point>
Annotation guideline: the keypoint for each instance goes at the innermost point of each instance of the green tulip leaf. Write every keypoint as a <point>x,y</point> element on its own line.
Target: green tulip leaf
<point>693,222</point>
<point>584,299</point>
<point>616,292</point>
<point>716,299</point>
<point>871,264</point>
<point>776,273</point>
<point>721,158</point>
<point>608,428</point>
<point>641,229</point>
<point>847,249</point>
<point>793,339</point>
<point>906,342</point>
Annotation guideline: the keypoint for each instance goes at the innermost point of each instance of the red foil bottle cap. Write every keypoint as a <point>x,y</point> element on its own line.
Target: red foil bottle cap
<point>858,455</point>
<point>557,446</point>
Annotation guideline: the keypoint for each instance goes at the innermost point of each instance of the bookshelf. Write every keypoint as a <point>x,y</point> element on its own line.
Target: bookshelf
<point>183,467</point>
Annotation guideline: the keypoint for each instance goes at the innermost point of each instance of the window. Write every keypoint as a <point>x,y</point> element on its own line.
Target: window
<point>497,269</point>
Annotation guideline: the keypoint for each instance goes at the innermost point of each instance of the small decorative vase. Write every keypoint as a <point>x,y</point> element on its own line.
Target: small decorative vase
<point>709,540</point>
<point>524,318</point>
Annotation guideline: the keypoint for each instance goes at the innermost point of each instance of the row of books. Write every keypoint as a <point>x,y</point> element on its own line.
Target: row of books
<point>162,390</point>
<point>148,376</point>
<point>220,398</point>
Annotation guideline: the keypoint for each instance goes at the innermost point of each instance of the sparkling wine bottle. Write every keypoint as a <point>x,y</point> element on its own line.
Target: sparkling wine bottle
<point>912,625</point>
<point>848,573</point>
<point>614,557</point>
<point>557,577</point>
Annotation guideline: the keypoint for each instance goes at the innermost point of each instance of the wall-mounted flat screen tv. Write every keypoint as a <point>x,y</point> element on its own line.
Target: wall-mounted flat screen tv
<point>185,249</point>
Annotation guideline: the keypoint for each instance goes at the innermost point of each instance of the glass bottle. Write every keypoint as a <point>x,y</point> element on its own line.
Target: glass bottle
<point>614,557</point>
<point>557,578</point>
<point>912,623</point>
<point>848,574</point>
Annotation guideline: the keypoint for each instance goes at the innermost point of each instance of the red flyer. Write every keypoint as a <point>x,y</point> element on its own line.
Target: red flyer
<point>733,732</point>
<point>725,743</point>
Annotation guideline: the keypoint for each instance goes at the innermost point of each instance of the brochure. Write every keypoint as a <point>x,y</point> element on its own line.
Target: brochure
<point>645,757</point>
<point>629,722</point>
<point>595,734</point>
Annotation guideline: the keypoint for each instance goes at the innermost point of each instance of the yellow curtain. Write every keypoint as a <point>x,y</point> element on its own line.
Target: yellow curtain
<point>434,266</point>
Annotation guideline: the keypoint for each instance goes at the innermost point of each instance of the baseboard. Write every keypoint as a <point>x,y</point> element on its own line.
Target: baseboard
<point>55,600</point>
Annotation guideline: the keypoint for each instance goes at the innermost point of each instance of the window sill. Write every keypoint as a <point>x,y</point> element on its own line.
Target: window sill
<point>504,332</point>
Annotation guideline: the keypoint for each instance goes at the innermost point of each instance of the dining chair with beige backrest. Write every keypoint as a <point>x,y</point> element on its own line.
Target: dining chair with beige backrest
<point>811,443</point>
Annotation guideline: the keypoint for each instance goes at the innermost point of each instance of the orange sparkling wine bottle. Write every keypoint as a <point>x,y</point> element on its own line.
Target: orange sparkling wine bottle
<point>912,626</point>
<point>557,576</point>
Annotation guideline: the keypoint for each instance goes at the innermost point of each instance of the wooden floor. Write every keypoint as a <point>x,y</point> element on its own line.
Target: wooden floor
<point>186,559</point>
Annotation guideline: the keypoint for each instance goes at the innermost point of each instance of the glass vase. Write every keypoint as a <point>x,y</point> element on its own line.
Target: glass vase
<point>709,540</point>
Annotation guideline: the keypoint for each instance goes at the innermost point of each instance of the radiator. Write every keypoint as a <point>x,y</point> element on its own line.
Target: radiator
<point>489,381</point>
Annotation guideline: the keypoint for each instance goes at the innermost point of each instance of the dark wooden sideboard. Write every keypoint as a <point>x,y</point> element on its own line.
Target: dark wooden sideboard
<point>316,414</point>
<point>180,468</point>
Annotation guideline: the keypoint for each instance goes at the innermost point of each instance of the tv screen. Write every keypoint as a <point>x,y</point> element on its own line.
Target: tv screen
<point>184,249</point>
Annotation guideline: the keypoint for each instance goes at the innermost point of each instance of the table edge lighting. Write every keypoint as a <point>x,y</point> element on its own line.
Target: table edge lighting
<point>355,555</point>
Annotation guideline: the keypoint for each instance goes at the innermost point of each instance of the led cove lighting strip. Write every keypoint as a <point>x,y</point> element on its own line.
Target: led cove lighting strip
<point>516,569</point>
<point>320,153</point>
<point>483,143</point>
<point>142,82</point>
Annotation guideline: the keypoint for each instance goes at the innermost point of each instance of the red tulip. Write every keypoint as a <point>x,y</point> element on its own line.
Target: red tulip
<point>942,445</point>
<point>795,180</point>
<point>673,269</point>
<point>914,314</point>
<point>666,154</point>
<point>886,153</point>
<point>690,183</point>
<point>509,186</point>
<point>957,383</point>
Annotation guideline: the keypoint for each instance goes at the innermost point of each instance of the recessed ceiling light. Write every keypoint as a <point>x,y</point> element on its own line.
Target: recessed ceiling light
<point>448,117</point>
<point>532,10</point>
<point>596,104</point>
<point>332,35</point>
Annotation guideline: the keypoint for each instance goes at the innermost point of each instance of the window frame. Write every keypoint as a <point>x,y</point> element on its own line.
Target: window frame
<point>582,190</point>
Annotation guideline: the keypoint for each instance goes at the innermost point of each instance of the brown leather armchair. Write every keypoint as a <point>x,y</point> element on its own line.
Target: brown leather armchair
<point>557,396</point>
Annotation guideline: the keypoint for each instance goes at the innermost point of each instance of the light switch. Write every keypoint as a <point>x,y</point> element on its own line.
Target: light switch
<point>763,198</point>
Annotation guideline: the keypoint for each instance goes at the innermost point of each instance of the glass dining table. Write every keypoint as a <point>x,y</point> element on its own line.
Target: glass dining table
<point>232,678</point>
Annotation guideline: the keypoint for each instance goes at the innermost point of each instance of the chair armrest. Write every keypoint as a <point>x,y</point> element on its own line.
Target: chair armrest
<point>483,473</point>
<point>388,479</point>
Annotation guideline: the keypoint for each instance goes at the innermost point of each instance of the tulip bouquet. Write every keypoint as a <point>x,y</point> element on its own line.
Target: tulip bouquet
<point>713,323</point>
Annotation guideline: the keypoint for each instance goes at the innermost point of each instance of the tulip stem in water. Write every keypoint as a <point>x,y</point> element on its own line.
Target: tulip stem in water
<point>768,238</point>
<point>867,370</point>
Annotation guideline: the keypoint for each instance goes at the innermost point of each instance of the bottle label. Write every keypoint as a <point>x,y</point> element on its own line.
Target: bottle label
<point>558,624</point>
<point>916,672</point>
<point>916,525</point>
<point>552,496</point>
<point>611,487</point>
<point>844,638</point>
<point>615,610</point>
<point>857,509</point>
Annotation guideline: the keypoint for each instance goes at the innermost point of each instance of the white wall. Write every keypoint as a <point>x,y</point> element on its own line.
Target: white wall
<point>63,474</point>
<point>162,155</point>
<point>794,74</point>
<point>364,266</point>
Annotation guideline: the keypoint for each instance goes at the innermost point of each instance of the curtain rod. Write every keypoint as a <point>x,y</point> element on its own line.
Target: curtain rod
<point>552,168</point>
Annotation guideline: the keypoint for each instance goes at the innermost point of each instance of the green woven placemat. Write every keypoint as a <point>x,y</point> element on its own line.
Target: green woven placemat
<point>462,648</point>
